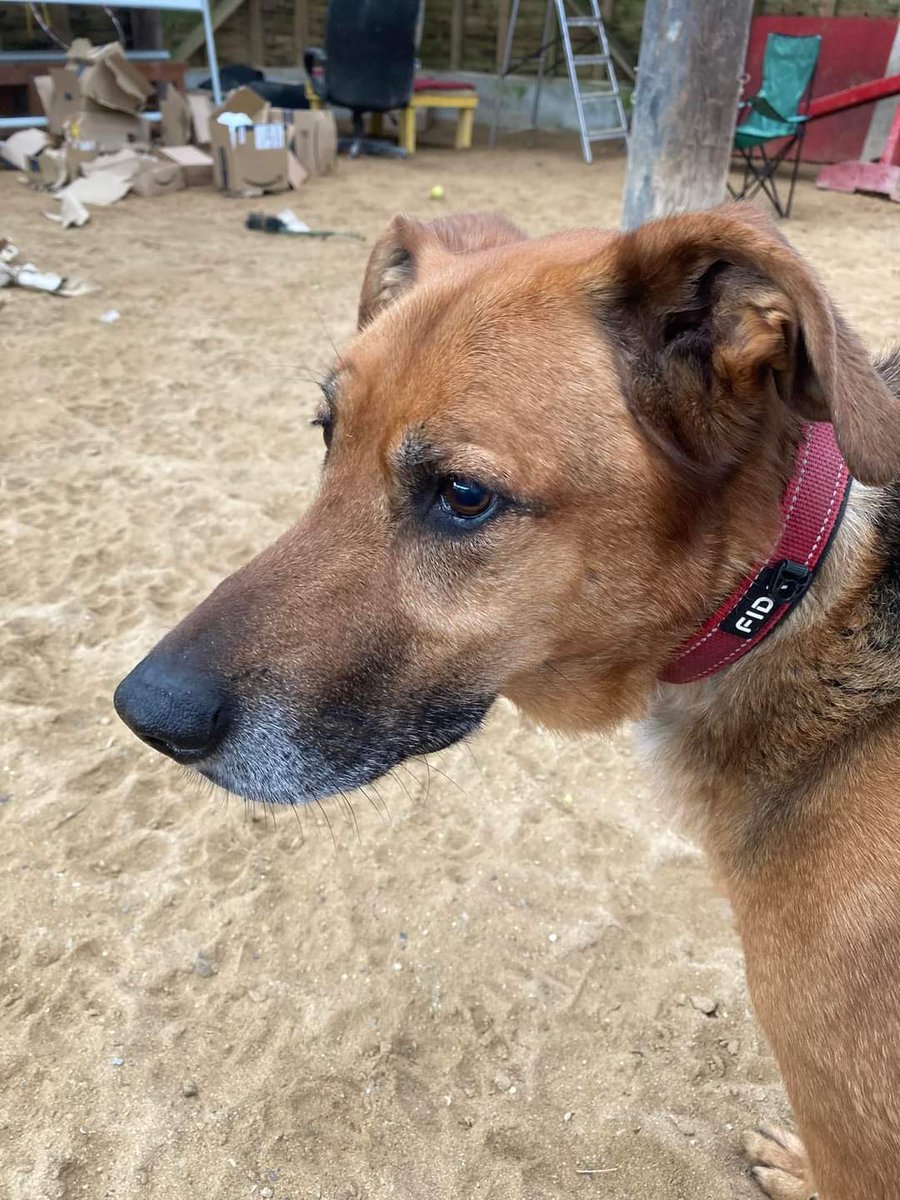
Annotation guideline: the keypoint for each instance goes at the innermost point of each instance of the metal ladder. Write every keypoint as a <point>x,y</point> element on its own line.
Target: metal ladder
<point>592,97</point>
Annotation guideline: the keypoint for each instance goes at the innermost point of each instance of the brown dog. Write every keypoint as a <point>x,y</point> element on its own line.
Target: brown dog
<point>548,462</point>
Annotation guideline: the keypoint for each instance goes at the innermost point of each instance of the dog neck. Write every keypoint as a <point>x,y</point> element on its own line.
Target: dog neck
<point>812,507</point>
<point>745,748</point>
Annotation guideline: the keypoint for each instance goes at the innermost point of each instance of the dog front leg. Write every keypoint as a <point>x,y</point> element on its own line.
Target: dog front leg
<point>779,1164</point>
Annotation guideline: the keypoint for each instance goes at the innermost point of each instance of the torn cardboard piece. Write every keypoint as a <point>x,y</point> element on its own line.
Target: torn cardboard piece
<point>201,106</point>
<point>297,173</point>
<point>79,52</point>
<point>43,85</point>
<point>28,276</point>
<point>113,81</point>
<point>196,165</point>
<point>106,179</point>
<point>22,146</point>
<point>175,126</point>
<point>125,163</point>
<point>72,213</point>
<point>101,190</point>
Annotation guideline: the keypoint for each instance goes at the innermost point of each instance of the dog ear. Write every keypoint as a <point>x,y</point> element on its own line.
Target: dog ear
<point>408,249</point>
<point>722,319</point>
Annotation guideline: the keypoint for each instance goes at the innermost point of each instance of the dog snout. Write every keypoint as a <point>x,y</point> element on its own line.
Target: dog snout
<point>178,709</point>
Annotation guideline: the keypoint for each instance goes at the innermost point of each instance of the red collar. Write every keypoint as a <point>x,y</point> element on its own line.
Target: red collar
<point>811,510</point>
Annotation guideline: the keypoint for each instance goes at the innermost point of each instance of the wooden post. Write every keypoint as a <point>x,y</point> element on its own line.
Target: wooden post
<point>503,9</point>
<point>457,32</point>
<point>255,33</point>
<point>301,28</point>
<point>146,29</point>
<point>193,40</point>
<point>691,59</point>
<point>61,25</point>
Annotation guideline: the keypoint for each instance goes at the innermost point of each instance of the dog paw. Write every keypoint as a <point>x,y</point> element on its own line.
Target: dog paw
<point>779,1164</point>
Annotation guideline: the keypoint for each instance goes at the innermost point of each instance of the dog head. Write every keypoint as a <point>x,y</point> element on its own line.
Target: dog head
<point>544,460</point>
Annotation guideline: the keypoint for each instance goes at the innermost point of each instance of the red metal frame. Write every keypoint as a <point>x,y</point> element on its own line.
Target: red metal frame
<point>852,97</point>
<point>882,177</point>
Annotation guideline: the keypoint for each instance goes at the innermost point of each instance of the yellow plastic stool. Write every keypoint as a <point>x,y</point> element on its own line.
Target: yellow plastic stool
<point>465,102</point>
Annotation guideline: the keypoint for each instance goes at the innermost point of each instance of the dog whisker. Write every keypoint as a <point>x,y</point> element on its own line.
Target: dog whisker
<point>349,813</point>
<point>393,775</point>
<point>379,806</point>
<point>467,747</point>
<point>321,809</point>
<point>384,802</point>
<point>568,682</point>
<point>295,809</point>
<point>449,779</point>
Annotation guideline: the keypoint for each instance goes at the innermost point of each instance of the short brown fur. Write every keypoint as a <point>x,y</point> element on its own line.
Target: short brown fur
<point>638,399</point>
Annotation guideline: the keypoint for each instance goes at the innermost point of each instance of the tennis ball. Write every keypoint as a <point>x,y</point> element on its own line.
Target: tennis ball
<point>437,192</point>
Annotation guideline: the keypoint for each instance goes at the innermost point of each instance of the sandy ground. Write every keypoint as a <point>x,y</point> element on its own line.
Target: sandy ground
<point>487,993</point>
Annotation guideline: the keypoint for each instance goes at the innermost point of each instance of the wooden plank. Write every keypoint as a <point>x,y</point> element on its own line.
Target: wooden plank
<point>301,28</point>
<point>863,93</point>
<point>255,33</point>
<point>503,10</point>
<point>192,42</point>
<point>457,33</point>
<point>685,106</point>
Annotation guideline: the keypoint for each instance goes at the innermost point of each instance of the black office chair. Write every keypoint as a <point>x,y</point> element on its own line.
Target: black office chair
<point>368,64</point>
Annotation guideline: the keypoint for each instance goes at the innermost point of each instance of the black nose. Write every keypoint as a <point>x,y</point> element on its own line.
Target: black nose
<point>176,709</point>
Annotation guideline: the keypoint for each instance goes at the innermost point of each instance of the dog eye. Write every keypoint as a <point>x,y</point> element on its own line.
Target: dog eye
<point>326,424</point>
<point>466,499</point>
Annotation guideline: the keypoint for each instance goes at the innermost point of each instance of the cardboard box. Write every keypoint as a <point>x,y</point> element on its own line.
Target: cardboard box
<point>65,99</point>
<point>175,126</point>
<point>112,81</point>
<point>77,154</point>
<point>251,158</point>
<point>196,165</point>
<point>61,98</point>
<point>157,177</point>
<point>106,132</point>
<point>252,153</point>
<point>315,140</point>
<point>48,168</point>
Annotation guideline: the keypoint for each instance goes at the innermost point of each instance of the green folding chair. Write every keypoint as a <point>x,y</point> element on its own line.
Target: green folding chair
<point>789,65</point>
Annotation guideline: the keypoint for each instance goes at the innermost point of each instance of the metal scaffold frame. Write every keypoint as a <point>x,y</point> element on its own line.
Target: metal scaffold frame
<point>198,6</point>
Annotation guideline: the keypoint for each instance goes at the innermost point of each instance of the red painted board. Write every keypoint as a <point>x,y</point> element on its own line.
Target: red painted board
<point>854,49</point>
